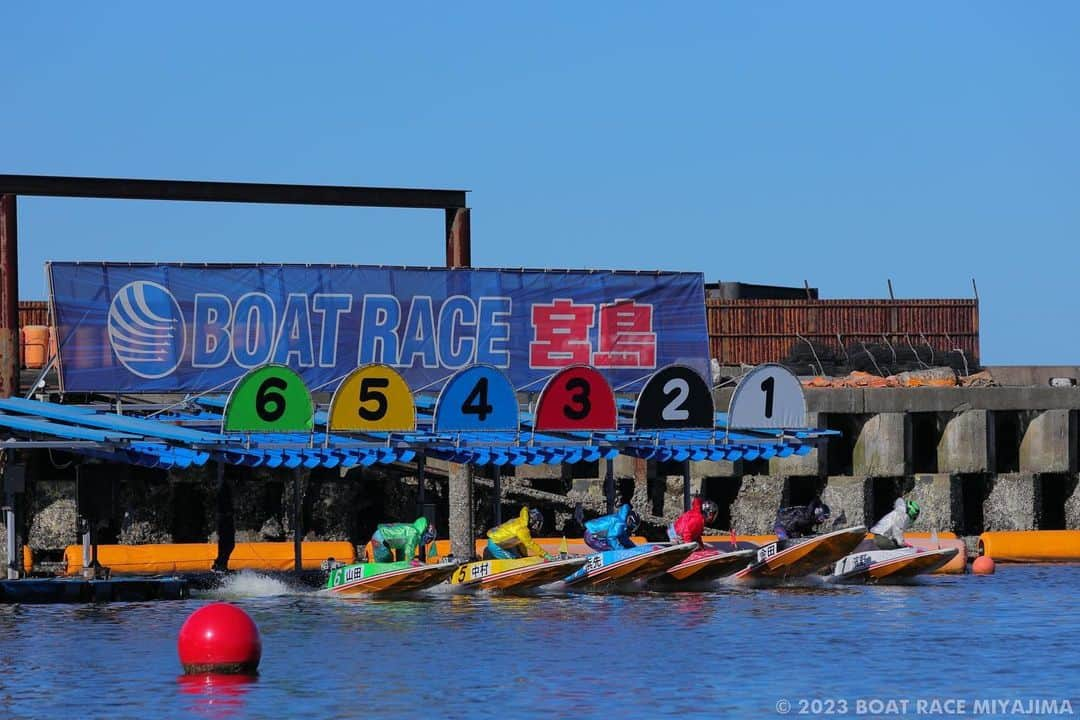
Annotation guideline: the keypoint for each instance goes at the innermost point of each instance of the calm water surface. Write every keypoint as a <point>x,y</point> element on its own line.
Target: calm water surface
<point>730,652</point>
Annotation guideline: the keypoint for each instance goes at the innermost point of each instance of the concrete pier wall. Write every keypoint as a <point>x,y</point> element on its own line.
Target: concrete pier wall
<point>884,446</point>
<point>975,459</point>
<point>967,443</point>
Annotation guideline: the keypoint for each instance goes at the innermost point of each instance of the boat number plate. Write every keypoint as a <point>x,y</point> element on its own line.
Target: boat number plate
<point>766,552</point>
<point>595,562</point>
<point>480,570</point>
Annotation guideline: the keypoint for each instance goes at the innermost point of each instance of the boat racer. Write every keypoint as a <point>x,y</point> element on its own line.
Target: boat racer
<point>612,532</point>
<point>889,530</point>
<point>690,526</point>
<point>800,520</point>
<point>401,538</point>
<point>509,540</point>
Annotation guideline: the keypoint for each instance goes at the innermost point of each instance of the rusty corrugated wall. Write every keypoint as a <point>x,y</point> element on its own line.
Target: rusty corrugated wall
<point>33,312</point>
<point>758,331</point>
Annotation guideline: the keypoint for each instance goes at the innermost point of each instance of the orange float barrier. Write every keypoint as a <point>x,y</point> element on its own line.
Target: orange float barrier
<point>199,557</point>
<point>1031,545</point>
<point>755,539</point>
<point>35,343</point>
<point>956,566</point>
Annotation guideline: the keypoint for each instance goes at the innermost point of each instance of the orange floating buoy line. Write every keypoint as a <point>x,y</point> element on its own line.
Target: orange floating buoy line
<point>1031,545</point>
<point>983,565</point>
<point>219,638</point>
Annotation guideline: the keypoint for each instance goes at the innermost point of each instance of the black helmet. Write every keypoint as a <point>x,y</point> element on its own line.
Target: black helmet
<point>536,519</point>
<point>710,510</point>
<point>821,510</point>
<point>632,521</point>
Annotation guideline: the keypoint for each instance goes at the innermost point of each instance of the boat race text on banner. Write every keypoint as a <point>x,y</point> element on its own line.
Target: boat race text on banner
<point>175,327</point>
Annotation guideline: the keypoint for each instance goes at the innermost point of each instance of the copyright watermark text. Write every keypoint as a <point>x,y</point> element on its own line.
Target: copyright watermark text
<point>931,706</point>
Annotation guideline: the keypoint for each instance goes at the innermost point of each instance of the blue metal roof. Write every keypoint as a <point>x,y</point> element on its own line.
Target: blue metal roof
<point>191,436</point>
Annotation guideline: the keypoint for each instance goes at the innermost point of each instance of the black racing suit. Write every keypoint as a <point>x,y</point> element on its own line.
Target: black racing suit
<point>795,522</point>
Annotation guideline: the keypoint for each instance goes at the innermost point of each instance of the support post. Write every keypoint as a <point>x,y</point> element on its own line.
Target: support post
<point>9,518</point>
<point>87,548</point>
<point>298,559</point>
<point>458,238</point>
<point>9,298</point>
<point>686,485</point>
<point>462,520</point>
<point>421,469</point>
<point>226,526</point>
<point>609,485</point>
<point>14,476</point>
<point>497,509</point>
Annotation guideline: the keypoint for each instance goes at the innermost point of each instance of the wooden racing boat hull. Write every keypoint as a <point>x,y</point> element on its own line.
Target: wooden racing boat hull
<point>889,565</point>
<point>397,577</point>
<point>510,575</point>
<point>777,562</point>
<point>705,565</point>
<point>610,567</point>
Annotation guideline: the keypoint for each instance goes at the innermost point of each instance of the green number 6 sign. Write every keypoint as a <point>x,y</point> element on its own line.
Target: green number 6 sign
<point>272,399</point>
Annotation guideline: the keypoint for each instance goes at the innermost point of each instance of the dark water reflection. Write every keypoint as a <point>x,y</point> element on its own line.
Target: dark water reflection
<point>730,651</point>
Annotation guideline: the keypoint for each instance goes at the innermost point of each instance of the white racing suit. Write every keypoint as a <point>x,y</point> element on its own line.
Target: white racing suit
<point>894,523</point>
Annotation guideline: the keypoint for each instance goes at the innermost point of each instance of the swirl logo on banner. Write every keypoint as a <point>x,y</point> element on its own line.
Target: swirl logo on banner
<point>146,329</point>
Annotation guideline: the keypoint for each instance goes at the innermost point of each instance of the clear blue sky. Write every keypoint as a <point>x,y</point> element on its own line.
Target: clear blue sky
<point>769,142</point>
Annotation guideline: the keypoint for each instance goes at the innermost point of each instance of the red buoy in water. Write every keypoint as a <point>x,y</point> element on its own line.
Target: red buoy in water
<point>983,565</point>
<point>219,638</point>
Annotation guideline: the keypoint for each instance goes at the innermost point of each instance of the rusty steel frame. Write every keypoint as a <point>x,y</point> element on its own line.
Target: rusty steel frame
<point>452,202</point>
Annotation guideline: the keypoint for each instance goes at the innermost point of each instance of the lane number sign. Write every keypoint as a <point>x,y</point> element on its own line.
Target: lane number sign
<point>675,397</point>
<point>478,397</point>
<point>769,396</point>
<point>272,399</point>
<point>373,398</point>
<point>577,398</point>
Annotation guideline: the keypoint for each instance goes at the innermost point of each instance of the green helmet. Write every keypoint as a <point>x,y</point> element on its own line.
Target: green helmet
<point>426,530</point>
<point>912,509</point>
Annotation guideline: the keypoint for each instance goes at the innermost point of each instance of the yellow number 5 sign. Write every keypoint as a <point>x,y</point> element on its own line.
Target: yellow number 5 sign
<point>373,398</point>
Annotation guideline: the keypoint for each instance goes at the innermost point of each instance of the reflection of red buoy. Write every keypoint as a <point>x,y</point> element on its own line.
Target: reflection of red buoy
<point>983,565</point>
<point>219,638</point>
<point>217,688</point>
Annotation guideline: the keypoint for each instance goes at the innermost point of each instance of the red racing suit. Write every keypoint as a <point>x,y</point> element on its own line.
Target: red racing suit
<point>691,524</point>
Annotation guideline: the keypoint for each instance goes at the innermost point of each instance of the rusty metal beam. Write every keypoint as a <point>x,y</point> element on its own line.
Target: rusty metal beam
<point>458,238</point>
<point>131,189</point>
<point>9,298</point>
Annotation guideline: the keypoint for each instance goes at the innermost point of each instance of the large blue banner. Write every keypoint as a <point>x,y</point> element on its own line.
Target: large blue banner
<point>192,328</point>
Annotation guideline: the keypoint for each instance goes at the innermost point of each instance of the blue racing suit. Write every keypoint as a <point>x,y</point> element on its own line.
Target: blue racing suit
<point>609,532</point>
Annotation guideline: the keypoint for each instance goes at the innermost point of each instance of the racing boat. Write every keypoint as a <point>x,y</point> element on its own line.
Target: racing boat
<point>511,575</point>
<point>612,567</point>
<point>391,577</point>
<point>802,556</point>
<point>868,564</point>
<point>704,565</point>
